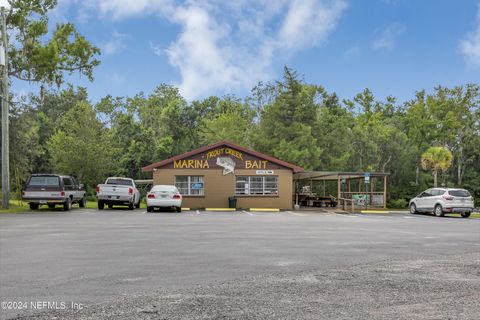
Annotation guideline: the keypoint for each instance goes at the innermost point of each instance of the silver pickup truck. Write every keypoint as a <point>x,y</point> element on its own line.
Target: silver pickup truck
<point>118,191</point>
<point>52,190</point>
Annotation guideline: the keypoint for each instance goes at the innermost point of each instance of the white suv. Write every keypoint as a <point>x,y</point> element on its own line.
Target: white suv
<point>443,200</point>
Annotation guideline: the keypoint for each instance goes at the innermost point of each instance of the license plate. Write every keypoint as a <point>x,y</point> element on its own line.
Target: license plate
<point>43,201</point>
<point>463,200</point>
<point>164,196</point>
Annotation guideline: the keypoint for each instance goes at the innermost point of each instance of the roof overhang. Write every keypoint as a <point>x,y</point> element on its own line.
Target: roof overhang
<point>335,175</point>
<point>229,144</point>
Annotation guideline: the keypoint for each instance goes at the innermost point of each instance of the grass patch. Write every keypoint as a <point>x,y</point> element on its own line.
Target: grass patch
<point>15,206</point>
<point>474,215</point>
<point>20,206</point>
<point>91,204</point>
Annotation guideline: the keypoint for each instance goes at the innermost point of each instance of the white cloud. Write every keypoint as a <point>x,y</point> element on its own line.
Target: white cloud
<point>118,9</point>
<point>351,52</point>
<point>156,48</point>
<point>308,22</point>
<point>231,45</point>
<point>470,46</point>
<point>199,54</point>
<point>115,44</point>
<point>385,38</point>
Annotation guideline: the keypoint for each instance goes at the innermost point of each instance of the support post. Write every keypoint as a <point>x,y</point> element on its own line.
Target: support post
<point>384,192</point>
<point>338,188</point>
<point>5,121</point>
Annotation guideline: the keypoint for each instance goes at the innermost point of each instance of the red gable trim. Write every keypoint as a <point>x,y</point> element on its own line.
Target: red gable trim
<point>294,168</point>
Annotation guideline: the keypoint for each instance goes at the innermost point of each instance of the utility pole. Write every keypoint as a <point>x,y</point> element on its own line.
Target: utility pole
<point>5,121</point>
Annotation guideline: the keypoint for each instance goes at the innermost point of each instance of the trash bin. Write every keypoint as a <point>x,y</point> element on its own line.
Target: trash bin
<point>232,202</point>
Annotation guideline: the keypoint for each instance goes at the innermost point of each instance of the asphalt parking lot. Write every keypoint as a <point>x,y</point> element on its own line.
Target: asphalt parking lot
<point>121,264</point>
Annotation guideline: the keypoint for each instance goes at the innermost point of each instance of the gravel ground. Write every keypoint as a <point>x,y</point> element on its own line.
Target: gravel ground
<point>442,287</point>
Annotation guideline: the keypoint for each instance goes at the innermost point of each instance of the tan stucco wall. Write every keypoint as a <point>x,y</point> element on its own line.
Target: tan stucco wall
<point>219,187</point>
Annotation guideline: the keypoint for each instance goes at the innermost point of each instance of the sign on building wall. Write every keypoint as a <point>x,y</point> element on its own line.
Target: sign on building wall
<point>227,164</point>
<point>226,158</point>
<point>197,185</point>
<point>264,172</point>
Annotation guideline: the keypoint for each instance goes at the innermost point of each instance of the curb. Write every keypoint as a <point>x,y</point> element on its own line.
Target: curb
<point>265,209</point>
<point>375,211</point>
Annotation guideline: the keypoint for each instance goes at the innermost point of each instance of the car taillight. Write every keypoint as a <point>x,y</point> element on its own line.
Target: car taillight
<point>151,196</point>
<point>130,190</point>
<point>448,197</point>
<point>98,189</point>
<point>177,196</point>
<point>62,193</point>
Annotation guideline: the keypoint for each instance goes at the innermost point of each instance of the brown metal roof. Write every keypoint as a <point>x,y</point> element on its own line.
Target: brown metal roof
<point>228,144</point>
<point>334,175</point>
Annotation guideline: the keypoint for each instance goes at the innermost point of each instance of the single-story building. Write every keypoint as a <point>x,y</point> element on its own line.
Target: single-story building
<point>208,176</point>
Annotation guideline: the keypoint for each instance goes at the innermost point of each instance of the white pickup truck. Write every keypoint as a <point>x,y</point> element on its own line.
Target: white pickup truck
<point>118,191</point>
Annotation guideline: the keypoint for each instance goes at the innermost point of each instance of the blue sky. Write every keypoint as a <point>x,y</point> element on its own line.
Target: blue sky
<point>215,47</point>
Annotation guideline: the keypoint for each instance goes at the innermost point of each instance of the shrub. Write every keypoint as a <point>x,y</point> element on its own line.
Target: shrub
<point>398,203</point>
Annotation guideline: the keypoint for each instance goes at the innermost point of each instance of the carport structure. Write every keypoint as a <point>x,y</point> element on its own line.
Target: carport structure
<point>353,188</point>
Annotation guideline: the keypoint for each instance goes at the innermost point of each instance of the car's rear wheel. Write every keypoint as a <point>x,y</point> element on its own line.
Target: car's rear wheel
<point>110,206</point>
<point>465,214</point>
<point>149,209</point>
<point>131,206</point>
<point>33,206</point>
<point>82,202</point>
<point>67,205</point>
<point>413,208</point>
<point>179,209</point>
<point>101,205</point>
<point>439,211</point>
<point>138,205</point>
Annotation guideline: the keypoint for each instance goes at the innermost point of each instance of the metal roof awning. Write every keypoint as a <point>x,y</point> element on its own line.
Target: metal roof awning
<point>334,175</point>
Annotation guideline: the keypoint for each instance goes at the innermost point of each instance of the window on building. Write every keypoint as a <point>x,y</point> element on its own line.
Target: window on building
<point>256,185</point>
<point>190,185</point>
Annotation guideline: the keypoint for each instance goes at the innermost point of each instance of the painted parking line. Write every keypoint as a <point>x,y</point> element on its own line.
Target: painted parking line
<point>249,213</point>
<point>295,213</point>
<point>198,211</point>
<point>264,210</point>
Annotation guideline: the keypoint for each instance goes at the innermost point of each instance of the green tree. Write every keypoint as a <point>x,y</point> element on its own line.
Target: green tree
<point>454,113</point>
<point>436,158</point>
<point>49,108</point>
<point>82,146</point>
<point>287,125</point>
<point>39,55</point>
<point>25,141</point>
<point>163,114</point>
<point>226,126</point>
<point>334,132</point>
<point>225,119</point>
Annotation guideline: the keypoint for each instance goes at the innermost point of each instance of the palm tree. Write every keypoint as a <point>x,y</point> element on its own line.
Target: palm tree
<point>436,158</point>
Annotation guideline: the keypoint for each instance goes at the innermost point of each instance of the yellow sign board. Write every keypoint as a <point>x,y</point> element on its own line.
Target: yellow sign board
<point>222,151</point>
<point>217,153</point>
<point>190,164</point>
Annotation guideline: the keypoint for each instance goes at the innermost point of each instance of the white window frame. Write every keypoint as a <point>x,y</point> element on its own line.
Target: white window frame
<point>248,186</point>
<point>189,187</point>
